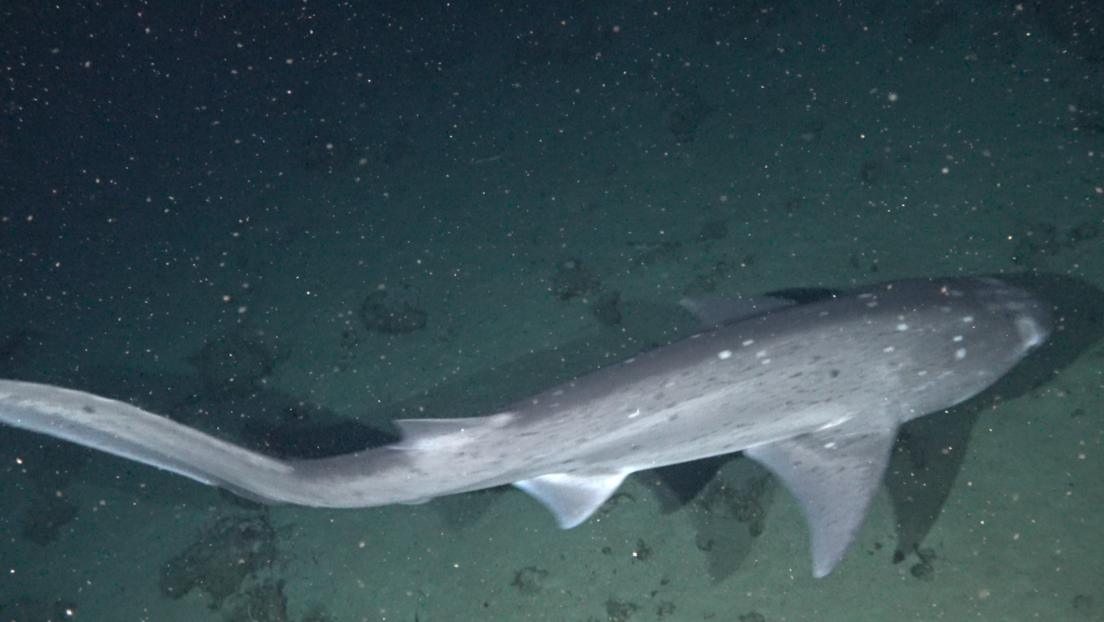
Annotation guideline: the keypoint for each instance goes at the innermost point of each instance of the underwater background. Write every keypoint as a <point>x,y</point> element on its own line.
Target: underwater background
<point>288,223</point>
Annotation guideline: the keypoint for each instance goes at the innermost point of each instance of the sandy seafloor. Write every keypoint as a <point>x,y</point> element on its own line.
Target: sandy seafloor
<point>460,158</point>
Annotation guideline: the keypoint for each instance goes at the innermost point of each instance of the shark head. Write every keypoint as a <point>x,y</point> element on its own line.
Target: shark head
<point>965,334</point>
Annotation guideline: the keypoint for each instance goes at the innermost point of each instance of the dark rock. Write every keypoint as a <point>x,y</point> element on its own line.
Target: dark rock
<point>235,361</point>
<point>222,559</point>
<point>995,43</point>
<point>529,580</point>
<point>1036,243</point>
<point>26,609</point>
<point>872,172</point>
<point>689,112</point>
<point>713,230</point>
<point>619,611</point>
<point>1083,604</point>
<point>328,152</point>
<point>745,501</point>
<point>43,520</point>
<point>1076,25</point>
<point>605,309</point>
<point>263,603</point>
<point>930,24</point>
<point>573,280</point>
<point>923,571</point>
<point>392,313</point>
<point>1084,232</point>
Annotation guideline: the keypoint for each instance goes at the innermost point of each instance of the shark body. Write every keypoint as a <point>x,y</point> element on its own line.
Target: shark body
<point>814,392</point>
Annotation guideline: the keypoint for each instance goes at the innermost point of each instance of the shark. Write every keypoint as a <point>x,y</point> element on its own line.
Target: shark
<point>815,392</point>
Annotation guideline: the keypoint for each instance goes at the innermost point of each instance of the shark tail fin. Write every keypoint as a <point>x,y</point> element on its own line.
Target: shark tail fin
<point>129,432</point>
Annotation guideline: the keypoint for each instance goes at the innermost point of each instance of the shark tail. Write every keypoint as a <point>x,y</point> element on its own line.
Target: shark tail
<point>129,432</point>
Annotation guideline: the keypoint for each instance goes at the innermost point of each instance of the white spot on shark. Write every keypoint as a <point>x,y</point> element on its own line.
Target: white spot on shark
<point>501,420</point>
<point>724,354</point>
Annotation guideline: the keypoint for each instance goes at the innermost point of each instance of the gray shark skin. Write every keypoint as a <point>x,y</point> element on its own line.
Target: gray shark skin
<point>814,392</point>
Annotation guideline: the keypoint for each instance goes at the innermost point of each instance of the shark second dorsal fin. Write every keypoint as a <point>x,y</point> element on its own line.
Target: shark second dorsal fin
<point>834,473</point>
<point>573,497</point>
<point>431,434</point>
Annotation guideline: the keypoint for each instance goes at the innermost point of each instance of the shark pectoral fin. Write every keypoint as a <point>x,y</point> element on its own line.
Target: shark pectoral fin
<point>834,473</point>
<point>573,497</point>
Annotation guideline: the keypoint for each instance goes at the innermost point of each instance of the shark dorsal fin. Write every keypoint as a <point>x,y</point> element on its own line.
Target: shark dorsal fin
<point>717,310</point>
<point>834,473</point>
<point>573,497</point>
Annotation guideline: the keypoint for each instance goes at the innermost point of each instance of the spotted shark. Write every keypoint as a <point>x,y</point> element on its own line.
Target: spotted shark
<point>815,392</point>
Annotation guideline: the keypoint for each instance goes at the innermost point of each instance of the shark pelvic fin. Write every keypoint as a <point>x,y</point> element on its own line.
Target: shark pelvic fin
<point>573,497</point>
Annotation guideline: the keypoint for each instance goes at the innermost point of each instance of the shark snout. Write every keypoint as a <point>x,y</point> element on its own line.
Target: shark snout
<point>1032,316</point>
<point>1034,330</point>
